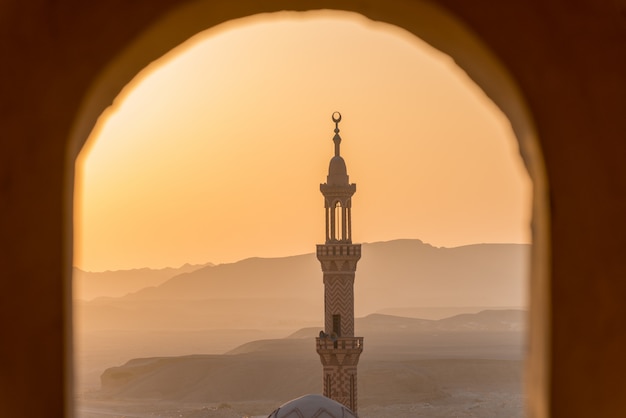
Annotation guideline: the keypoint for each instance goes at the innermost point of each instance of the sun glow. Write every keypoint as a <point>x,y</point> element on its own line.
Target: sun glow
<point>215,152</point>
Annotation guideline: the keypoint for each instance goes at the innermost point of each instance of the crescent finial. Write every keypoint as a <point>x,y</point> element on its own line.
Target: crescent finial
<point>336,118</point>
<point>337,139</point>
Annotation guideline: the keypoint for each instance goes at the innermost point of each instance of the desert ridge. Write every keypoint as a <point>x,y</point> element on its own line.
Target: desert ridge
<point>452,363</point>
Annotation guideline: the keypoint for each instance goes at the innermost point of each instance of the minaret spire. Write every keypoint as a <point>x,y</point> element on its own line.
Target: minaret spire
<point>338,348</point>
<point>337,139</point>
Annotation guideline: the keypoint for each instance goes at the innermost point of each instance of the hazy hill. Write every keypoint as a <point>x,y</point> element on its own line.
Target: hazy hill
<point>394,273</point>
<point>452,353</point>
<point>501,320</point>
<point>410,273</point>
<point>89,285</point>
<point>214,309</point>
<point>288,292</point>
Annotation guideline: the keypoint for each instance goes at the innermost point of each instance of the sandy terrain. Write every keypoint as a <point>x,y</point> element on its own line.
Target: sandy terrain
<point>467,366</point>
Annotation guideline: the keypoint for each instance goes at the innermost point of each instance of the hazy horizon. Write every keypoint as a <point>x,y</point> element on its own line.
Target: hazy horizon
<point>408,263</point>
<point>209,262</point>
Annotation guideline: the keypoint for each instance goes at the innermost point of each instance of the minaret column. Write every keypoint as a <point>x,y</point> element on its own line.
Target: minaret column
<point>338,348</point>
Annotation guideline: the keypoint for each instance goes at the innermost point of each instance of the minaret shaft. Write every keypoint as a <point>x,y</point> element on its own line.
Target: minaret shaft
<point>338,348</point>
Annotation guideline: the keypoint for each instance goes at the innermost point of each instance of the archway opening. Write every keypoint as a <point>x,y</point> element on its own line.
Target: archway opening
<point>353,161</point>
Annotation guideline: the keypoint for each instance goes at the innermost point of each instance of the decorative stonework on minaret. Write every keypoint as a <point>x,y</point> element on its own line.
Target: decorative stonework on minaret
<point>337,346</point>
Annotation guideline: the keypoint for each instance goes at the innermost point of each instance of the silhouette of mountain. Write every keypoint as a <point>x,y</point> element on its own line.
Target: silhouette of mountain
<point>402,329</point>
<point>288,292</point>
<point>411,273</point>
<point>440,355</point>
<point>215,308</point>
<point>90,285</point>
<point>500,320</point>
<point>249,278</point>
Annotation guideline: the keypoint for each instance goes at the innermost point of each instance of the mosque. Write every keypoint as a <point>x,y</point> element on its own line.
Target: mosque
<point>338,348</point>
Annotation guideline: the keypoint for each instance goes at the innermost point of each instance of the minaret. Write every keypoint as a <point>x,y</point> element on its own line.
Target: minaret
<point>337,346</point>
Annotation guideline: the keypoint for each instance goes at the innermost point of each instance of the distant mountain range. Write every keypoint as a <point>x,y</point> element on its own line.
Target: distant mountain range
<point>213,309</point>
<point>287,292</point>
<point>90,285</point>
<point>496,320</point>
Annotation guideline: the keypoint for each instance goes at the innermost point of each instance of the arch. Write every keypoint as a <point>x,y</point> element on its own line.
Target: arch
<point>427,21</point>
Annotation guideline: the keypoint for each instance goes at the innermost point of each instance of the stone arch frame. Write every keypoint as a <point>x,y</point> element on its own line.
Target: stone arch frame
<point>567,57</point>
<point>430,23</point>
<point>469,53</point>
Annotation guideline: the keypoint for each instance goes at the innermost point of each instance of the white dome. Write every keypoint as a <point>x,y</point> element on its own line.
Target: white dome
<point>312,406</point>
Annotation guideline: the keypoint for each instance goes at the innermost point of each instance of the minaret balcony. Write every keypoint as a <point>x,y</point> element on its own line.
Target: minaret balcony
<point>339,250</point>
<point>337,191</point>
<point>339,258</point>
<point>338,345</point>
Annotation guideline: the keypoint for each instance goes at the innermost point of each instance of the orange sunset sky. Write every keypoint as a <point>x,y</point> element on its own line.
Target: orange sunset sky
<point>216,152</point>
